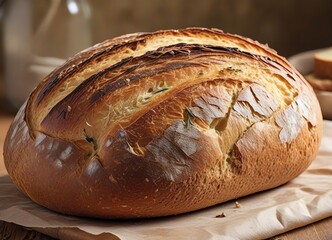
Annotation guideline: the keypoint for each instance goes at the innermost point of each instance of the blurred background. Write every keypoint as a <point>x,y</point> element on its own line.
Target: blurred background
<point>37,35</point>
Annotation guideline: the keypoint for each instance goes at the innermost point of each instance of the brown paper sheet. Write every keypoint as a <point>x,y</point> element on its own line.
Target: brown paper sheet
<point>304,200</point>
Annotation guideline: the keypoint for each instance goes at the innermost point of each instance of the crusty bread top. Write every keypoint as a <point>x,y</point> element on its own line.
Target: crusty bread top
<point>114,84</point>
<point>72,86</point>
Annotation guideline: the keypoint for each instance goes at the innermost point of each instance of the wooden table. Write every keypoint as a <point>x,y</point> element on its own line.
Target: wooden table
<point>321,230</point>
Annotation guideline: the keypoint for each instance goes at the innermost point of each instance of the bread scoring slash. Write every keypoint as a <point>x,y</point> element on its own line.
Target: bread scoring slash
<point>162,123</point>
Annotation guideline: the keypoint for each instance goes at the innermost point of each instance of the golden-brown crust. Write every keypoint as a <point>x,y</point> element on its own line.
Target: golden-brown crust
<point>162,123</point>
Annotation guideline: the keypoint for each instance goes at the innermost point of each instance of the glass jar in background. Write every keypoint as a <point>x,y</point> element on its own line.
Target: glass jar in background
<point>37,36</point>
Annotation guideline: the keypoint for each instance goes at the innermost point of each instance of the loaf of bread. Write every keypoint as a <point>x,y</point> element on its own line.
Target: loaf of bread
<point>323,63</point>
<point>321,77</point>
<point>155,124</point>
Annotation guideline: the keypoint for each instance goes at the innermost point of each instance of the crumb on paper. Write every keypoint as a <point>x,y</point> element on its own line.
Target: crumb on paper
<point>237,205</point>
<point>222,215</point>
